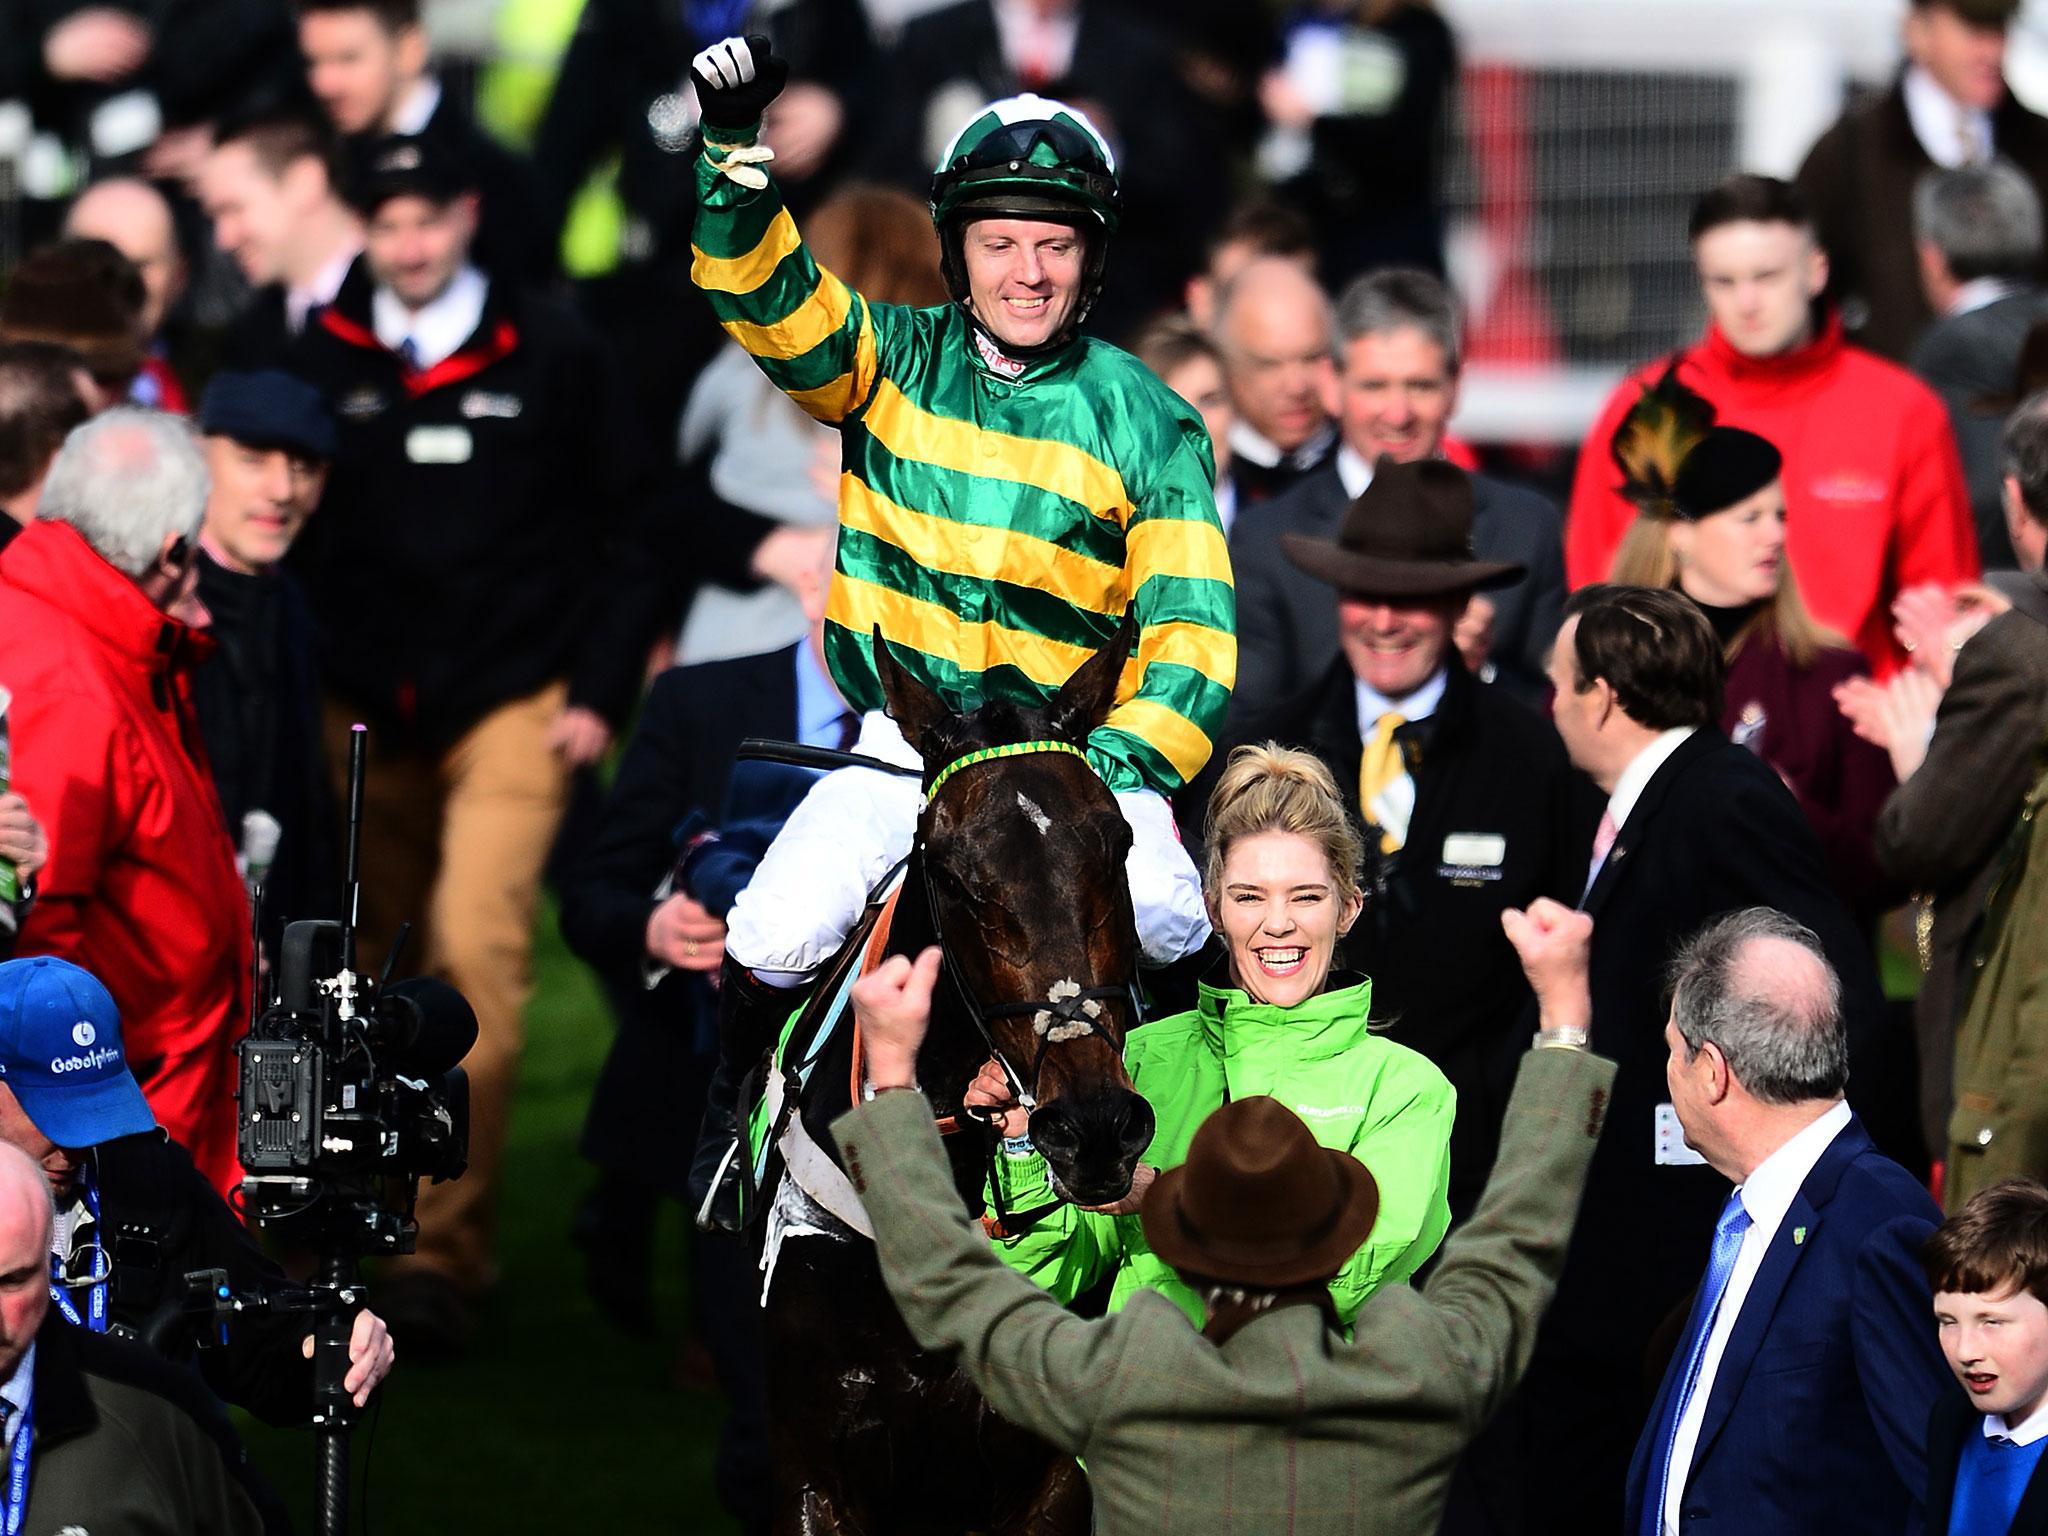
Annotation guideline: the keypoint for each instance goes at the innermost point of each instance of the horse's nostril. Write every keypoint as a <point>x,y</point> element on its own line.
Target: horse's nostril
<point>1136,1134</point>
<point>1054,1132</point>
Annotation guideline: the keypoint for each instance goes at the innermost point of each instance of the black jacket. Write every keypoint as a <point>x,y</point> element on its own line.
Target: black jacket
<point>1445,980</point>
<point>1287,620</point>
<point>679,760</point>
<point>258,703</point>
<point>160,1221</point>
<point>1715,831</point>
<point>484,521</point>
<point>125,1443</point>
<point>1954,1419</point>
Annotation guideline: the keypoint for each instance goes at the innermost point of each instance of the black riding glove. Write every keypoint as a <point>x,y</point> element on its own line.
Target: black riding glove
<point>736,79</point>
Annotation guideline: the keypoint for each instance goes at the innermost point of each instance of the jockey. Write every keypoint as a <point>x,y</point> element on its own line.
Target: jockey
<point>1009,490</point>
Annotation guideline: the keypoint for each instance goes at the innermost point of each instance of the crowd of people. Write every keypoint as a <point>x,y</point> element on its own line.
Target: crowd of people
<point>888,375</point>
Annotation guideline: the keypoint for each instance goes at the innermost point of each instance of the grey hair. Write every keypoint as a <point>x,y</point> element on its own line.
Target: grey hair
<point>2026,453</point>
<point>1784,1043</point>
<point>128,480</point>
<point>1984,219</point>
<point>1394,297</point>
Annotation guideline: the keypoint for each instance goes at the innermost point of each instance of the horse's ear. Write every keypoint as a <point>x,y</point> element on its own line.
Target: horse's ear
<point>917,711</point>
<point>1085,699</point>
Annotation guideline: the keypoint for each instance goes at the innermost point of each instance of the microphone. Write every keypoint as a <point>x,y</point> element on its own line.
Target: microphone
<point>260,834</point>
<point>432,1025</point>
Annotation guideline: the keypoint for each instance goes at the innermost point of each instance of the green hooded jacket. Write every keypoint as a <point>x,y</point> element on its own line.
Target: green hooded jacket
<point>1385,1104</point>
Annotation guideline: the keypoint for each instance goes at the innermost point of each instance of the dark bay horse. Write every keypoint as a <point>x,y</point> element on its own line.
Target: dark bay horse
<point>1018,870</point>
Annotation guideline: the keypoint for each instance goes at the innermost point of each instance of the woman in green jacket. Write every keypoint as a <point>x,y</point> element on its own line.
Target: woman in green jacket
<point>1282,885</point>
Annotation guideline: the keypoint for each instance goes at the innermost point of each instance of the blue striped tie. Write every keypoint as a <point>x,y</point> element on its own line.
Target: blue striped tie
<point>1727,1244</point>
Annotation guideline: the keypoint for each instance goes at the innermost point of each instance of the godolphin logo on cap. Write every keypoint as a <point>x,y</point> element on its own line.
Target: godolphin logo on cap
<point>84,1033</point>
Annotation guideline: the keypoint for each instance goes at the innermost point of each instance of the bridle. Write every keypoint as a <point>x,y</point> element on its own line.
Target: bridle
<point>1069,1011</point>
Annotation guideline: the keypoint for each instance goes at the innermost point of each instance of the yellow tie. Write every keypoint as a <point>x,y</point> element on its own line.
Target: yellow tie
<point>1379,766</point>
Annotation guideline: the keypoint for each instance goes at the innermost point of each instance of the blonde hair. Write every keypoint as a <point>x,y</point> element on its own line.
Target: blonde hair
<point>1271,788</point>
<point>1646,559</point>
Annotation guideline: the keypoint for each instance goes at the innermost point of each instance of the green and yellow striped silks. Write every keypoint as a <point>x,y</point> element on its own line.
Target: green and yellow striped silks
<point>994,529</point>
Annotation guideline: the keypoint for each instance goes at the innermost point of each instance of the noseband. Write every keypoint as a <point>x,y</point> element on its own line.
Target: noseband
<point>1069,1011</point>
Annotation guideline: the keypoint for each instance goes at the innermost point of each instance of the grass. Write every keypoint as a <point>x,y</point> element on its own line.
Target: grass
<point>554,1422</point>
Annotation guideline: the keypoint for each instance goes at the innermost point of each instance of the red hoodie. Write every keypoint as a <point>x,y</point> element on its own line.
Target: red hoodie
<point>141,888</point>
<point>1874,494</point>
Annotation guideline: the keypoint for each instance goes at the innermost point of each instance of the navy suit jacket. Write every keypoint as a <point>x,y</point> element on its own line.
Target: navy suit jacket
<point>1817,1418</point>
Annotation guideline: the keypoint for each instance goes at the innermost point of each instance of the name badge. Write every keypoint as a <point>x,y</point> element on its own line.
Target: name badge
<point>439,445</point>
<point>1672,1150</point>
<point>1473,858</point>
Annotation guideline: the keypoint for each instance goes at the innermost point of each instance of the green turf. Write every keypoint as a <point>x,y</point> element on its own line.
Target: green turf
<point>555,1422</point>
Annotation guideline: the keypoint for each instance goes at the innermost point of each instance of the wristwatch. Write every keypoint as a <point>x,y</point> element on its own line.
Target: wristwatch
<point>1566,1037</point>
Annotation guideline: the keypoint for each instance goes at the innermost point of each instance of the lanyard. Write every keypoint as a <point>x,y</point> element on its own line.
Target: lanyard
<point>17,1466</point>
<point>96,1302</point>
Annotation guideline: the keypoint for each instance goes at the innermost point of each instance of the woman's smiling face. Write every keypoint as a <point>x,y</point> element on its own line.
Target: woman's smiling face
<point>1280,911</point>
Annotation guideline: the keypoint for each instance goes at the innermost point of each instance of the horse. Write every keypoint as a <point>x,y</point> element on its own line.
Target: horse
<point>1018,872</point>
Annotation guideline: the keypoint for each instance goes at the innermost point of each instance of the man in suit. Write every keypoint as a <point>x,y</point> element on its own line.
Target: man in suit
<point>367,61</point>
<point>1695,826</point>
<point>1949,107</point>
<point>1964,774</point>
<point>1399,357</point>
<point>1275,330</point>
<point>1988,1266</point>
<point>1979,230</point>
<point>1469,803</point>
<point>1269,1418</point>
<point>949,62</point>
<point>1800,1390</point>
<point>271,187</point>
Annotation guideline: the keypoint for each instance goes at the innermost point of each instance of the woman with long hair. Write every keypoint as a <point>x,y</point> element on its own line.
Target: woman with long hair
<point>1274,1017</point>
<point>1711,522</point>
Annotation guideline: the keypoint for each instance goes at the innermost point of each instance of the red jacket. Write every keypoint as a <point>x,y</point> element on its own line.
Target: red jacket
<point>140,888</point>
<point>1874,490</point>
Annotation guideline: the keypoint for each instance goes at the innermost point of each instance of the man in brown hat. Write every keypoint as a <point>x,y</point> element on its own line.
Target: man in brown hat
<point>1269,1419</point>
<point>1469,804</point>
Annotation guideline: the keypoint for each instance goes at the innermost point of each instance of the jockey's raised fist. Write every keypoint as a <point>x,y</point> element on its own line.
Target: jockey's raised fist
<point>736,79</point>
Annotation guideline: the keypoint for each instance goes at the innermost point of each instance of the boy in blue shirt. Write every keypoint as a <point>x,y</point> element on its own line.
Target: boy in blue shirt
<point>1988,1265</point>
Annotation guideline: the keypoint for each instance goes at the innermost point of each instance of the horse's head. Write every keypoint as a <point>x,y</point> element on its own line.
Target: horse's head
<point>1025,855</point>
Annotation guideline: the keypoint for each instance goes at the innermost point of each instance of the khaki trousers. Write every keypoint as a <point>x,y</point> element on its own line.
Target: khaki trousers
<point>456,846</point>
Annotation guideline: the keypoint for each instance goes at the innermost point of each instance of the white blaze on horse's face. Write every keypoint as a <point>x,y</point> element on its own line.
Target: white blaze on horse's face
<point>1030,808</point>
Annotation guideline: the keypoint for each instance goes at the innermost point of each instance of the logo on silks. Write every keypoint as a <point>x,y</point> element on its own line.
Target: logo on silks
<point>84,1033</point>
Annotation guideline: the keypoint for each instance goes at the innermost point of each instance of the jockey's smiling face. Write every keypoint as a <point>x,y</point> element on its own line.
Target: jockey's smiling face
<point>1023,277</point>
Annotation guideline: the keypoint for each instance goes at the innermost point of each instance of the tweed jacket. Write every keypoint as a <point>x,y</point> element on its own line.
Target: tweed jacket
<point>1284,1426</point>
<point>1941,830</point>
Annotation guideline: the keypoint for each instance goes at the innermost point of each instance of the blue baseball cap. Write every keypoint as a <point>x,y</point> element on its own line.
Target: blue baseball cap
<point>60,1054</point>
<point>268,408</point>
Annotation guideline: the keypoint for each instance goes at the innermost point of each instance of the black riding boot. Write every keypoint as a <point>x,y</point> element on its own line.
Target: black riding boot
<point>721,1172</point>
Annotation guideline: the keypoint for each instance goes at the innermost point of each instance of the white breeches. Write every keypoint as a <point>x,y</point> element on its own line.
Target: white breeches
<point>856,824</point>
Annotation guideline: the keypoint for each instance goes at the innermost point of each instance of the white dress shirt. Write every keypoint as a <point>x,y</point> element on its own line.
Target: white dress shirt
<point>1635,778</point>
<point>1951,133</point>
<point>436,330</point>
<point>1249,443</point>
<point>419,106</point>
<point>1226,503</point>
<point>1766,1194</point>
<point>16,1390</point>
<point>1394,807</point>
<point>301,301</point>
<point>1977,293</point>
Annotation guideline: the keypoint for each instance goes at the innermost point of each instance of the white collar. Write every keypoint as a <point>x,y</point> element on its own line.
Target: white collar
<point>2026,1432</point>
<point>1353,471</point>
<point>1768,1192</point>
<point>301,300</point>
<point>1026,39</point>
<point>1939,121</point>
<point>1979,292</point>
<point>1635,778</point>
<point>1419,705</point>
<point>419,106</point>
<point>1247,442</point>
<point>437,329</point>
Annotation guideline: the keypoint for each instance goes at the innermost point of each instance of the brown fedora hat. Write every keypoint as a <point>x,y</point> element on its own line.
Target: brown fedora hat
<point>1408,535</point>
<point>1259,1202</point>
